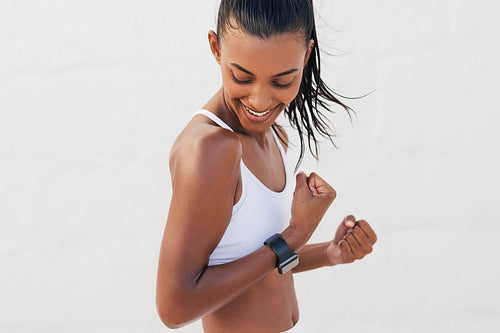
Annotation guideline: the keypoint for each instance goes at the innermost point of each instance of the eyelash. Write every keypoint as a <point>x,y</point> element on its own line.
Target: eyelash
<point>276,84</point>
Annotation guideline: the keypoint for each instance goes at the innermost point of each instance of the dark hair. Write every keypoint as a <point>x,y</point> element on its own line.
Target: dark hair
<point>265,18</point>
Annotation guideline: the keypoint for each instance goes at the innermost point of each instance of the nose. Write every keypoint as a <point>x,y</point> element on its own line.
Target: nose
<point>260,99</point>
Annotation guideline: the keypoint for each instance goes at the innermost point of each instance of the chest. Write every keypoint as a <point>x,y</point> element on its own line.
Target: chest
<point>266,164</point>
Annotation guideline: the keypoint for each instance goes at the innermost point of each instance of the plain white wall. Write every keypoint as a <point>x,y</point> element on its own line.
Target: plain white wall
<point>93,94</point>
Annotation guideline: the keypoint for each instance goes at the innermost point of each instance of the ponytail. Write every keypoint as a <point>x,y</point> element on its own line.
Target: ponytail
<point>304,112</point>
<point>264,18</point>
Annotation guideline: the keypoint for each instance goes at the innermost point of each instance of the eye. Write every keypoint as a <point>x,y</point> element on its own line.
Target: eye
<point>276,84</point>
<point>282,86</point>
<point>235,80</point>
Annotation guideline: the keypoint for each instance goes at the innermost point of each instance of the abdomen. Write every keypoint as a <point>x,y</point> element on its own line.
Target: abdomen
<point>268,306</point>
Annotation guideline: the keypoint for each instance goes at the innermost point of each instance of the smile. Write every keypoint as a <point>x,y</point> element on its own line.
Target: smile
<point>257,114</point>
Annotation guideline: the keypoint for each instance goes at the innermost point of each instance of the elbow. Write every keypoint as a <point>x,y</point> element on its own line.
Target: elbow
<point>169,321</point>
<point>174,312</point>
<point>170,318</point>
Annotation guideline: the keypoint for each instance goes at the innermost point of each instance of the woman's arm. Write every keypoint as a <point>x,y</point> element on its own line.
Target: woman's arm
<point>312,256</point>
<point>353,240</point>
<point>331,253</point>
<point>204,172</point>
<point>204,177</point>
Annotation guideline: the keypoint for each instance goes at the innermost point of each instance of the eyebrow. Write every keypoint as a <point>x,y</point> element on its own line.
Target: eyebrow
<point>250,73</point>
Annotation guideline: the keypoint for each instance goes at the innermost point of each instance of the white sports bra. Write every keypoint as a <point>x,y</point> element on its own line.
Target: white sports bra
<point>258,214</point>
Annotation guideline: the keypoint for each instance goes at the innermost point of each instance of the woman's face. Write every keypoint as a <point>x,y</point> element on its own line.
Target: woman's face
<point>260,77</point>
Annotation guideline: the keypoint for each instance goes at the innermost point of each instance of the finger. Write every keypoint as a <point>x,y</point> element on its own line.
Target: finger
<point>362,239</point>
<point>343,229</point>
<point>355,247</point>
<point>313,189</point>
<point>349,221</point>
<point>347,255</point>
<point>318,182</point>
<point>368,231</point>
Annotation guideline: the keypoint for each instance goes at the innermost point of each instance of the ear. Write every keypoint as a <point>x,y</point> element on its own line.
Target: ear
<point>214,45</point>
<point>309,51</point>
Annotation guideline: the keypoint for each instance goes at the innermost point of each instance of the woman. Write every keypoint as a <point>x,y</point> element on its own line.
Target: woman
<point>237,228</point>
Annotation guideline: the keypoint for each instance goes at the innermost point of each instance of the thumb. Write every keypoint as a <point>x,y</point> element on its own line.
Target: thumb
<point>348,223</point>
<point>300,180</point>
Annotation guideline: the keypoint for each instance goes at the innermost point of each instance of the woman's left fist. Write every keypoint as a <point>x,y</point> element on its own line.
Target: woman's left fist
<point>353,240</point>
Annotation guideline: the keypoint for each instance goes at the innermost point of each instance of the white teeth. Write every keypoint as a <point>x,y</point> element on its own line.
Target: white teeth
<point>258,114</point>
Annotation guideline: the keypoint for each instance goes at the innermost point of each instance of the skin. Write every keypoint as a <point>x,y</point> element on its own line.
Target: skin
<point>204,166</point>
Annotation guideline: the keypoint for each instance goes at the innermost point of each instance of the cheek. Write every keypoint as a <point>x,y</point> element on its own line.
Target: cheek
<point>232,88</point>
<point>289,94</point>
<point>293,91</point>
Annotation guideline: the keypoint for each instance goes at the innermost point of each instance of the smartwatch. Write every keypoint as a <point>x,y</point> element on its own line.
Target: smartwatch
<point>287,259</point>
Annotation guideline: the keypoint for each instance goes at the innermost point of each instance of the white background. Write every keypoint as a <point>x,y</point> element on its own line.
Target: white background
<point>93,94</point>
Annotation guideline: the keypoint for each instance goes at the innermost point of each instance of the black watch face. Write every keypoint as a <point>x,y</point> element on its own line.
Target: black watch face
<point>288,264</point>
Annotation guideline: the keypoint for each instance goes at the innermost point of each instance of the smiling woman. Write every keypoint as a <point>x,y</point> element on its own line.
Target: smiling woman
<point>288,19</point>
<point>237,226</point>
<point>260,76</point>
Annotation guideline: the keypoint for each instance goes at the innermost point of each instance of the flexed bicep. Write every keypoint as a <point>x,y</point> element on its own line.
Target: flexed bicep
<point>204,176</point>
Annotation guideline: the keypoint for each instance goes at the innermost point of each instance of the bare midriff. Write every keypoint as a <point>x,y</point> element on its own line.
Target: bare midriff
<point>269,306</point>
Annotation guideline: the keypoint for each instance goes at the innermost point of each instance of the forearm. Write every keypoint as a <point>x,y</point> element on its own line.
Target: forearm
<point>312,256</point>
<point>215,287</point>
<point>185,294</point>
<point>218,285</point>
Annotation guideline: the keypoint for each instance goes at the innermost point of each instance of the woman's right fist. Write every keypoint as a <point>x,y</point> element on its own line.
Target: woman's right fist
<point>311,200</point>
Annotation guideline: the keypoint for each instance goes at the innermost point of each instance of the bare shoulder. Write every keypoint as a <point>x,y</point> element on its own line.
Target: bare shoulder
<point>204,166</point>
<point>282,135</point>
<point>207,144</point>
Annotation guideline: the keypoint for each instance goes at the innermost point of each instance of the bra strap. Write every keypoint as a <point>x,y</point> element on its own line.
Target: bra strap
<point>213,117</point>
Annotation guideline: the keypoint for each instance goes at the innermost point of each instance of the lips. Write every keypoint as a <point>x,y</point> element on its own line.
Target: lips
<point>258,117</point>
<point>255,113</point>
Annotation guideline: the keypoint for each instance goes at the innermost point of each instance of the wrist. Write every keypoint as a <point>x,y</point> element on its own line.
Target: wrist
<point>292,237</point>
<point>329,255</point>
<point>287,258</point>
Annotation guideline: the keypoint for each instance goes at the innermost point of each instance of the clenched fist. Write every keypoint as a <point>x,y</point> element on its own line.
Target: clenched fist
<point>353,240</point>
<point>311,199</point>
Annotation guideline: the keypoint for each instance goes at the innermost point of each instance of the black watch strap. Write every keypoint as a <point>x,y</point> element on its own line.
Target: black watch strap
<point>280,247</point>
